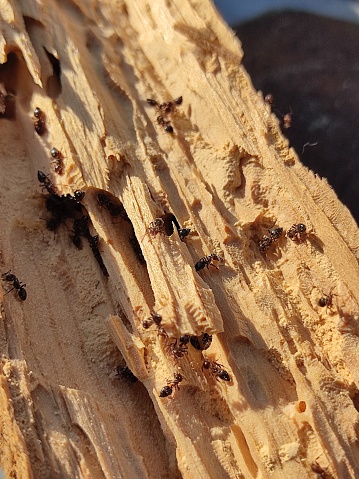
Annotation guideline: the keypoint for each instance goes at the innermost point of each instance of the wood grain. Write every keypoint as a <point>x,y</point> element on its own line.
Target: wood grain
<point>226,172</point>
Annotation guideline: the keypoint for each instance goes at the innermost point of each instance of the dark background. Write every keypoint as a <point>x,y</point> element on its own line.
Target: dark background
<point>310,64</point>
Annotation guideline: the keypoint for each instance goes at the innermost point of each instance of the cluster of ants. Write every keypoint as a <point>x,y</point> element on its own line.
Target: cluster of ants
<point>164,226</point>
<point>295,233</point>
<point>178,348</point>
<point>165,109</point>
<point>67,206</point>
<point>63,207</point>
<point>40,128</point>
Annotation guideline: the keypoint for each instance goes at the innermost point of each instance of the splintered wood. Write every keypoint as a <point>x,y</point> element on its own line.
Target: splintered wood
<point>191,289</point>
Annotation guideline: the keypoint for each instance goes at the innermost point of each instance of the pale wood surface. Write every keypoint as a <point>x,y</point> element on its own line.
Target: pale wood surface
<point>227,174</point>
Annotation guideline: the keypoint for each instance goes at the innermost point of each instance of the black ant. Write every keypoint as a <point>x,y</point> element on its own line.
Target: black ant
<point>155,319</point>
<point>183,233</point>
<point>201,342</point>
<point>297,232</point>
<point>165,124</point>
<point>169,220</point>
<point>39,121</point>
<point>126,373</point>
<point>59,161</point>
<point>275,233</point>
<point>166,107</point>
<point>207,261</point>
<point>176,350</point>
<point>93,242</point>
<point>156,227</point>
<point>46,183</point>
<point>215,369</point>
<point>80,229</point>
<point>266,241</point>
<point>105,201</point>
<point>16,284</point>
<point>327,299</point>
<point>184,339</point>
<point>171,384</point>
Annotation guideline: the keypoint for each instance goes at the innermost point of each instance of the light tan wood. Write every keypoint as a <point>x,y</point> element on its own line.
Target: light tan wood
<point>227,173</point>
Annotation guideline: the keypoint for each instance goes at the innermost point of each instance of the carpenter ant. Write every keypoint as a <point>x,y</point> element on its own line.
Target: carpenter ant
<point>215,369</point>
<point>126,373</point>
<point>207,261</point>
<point>171,384</point>
<point>46,183</point>
<point>39,121</point>
<point>156,227</point>
<point>104,200</point>
<point>165,124</point>
<point>177,351</point>
<point>275,233</point>
<point>16,284</point>
<point>61,207</point>
<point>183,232</point>
<point>184,339</point>
<point>80,229</point>
<point>201,342</point>
<point>296,232</point>
<point>152,102</point>
<point>169,220</point>
<point>165,107</point>
<point>93,242</point>
<point>264,243</point>
<point>327,299</point>
<point>155,319</point>
<point>59,161</point>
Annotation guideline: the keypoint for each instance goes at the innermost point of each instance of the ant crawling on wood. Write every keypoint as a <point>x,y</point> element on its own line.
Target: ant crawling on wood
<point>327,299</point>
<point>171,384</point>
<point>201,342</point>
<point>208,261</point>
<point>58,161</point>
<point>165,108</point>
<point>297,232</point>
<point>16,284</point>
<point>39,121</point>
<point>275,233</point>
<point>155,319</point>
<point>105,201</point>
<point>46,183</point>
<point>165,124</point>
<point>177,351</point>
<point>215,369</point>
<point>156,227</point>
<point>266,241</point>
